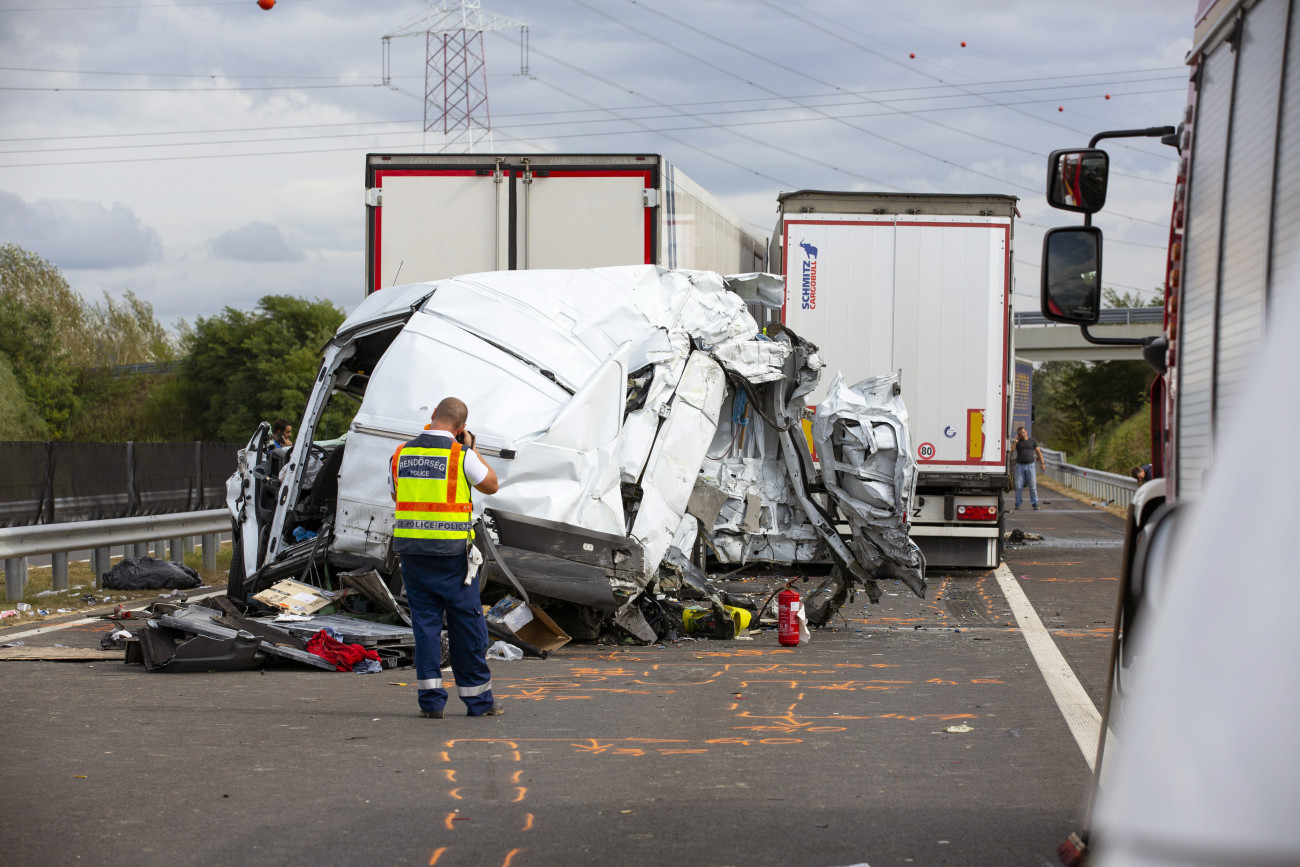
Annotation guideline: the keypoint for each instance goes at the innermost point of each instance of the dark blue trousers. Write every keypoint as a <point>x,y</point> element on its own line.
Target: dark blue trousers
<point>435,587</point>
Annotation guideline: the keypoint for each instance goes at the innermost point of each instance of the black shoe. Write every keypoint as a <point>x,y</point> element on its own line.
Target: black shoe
<point>431,714</point>
<point>1035,508</point>
<point>495,710</point>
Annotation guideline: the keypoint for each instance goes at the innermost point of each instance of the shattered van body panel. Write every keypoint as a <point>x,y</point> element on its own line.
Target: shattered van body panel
<point>861,435</point>
<point>611,401</point>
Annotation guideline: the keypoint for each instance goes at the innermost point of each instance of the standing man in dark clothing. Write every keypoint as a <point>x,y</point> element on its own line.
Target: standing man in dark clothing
<point>1027,451</point>
<point>433,533</point>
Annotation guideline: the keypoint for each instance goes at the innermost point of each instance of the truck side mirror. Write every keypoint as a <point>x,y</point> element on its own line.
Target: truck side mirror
<point>1072,275</point>
<point>1076,180</point>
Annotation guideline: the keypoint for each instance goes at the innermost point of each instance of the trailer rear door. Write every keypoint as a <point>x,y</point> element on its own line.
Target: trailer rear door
<point>434,223</point>
<point>585,219</point>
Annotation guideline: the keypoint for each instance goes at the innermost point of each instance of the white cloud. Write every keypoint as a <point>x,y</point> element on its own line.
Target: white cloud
<point>256,242</point>
<point>76,234</point>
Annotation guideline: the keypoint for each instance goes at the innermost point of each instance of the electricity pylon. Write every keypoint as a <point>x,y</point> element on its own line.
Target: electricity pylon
<point>455,68</point>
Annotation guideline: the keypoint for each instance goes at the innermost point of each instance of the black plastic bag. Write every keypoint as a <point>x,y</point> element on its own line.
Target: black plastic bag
<point>148,573</point>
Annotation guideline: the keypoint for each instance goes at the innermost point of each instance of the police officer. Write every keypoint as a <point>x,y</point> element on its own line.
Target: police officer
<point>433,531</point>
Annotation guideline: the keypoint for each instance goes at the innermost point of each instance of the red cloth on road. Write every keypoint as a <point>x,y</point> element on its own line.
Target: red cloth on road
<point>344,656</point>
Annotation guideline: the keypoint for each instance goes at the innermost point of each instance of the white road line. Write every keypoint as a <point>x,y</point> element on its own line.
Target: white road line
<point>6,637</point>
<point>1081,715</point>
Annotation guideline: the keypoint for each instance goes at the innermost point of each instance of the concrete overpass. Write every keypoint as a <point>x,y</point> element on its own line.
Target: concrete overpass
<point>1040,340</point>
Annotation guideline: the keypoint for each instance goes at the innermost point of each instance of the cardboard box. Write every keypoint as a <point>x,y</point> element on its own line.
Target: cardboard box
<point>294,597</point>
<point>541,631</point>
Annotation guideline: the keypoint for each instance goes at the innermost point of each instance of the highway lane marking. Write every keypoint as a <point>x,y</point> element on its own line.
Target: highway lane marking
<point>1081,715</point>
<point>13,636</point>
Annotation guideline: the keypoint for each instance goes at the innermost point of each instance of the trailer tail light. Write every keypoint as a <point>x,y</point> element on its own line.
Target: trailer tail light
<point>977,513</point>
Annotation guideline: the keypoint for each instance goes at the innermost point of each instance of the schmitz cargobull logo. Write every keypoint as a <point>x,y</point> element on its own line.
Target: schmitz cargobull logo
<point>808,299</point>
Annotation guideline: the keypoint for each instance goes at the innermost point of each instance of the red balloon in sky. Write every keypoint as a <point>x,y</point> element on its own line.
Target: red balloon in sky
<point>266,4</point>
<point>912,55</point>
<point>1108,96</point>
<point>1060,108</point>
<point>963,45</point>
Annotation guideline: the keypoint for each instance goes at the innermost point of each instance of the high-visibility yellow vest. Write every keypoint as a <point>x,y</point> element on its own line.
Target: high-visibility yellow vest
<point>434,512</point>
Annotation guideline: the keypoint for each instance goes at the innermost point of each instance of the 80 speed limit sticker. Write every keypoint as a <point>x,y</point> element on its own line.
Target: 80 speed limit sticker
<point>925,451</point>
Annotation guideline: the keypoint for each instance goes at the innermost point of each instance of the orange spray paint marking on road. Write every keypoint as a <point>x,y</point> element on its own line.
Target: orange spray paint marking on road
<point>451,817</point>
<point>522,791</point>
<point>437,853</point>
<point>510,856</point>
<point>455,793</point>
<point>514,778</point>
<point>451,775</point>
<point>528,822</point>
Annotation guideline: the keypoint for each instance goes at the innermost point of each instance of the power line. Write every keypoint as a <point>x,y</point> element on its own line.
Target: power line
<point>761,142</point>
<point>44,71</point>
<point>1109,283</point>
<point>1109,240</point>
<point>205,131</point>
<point>543,124</point>
<point>714,37</point>
<point>188,89</point>
<point>664,134</point>
<point>128,6</point>
<point>603,110</point>
<point>836,34</point>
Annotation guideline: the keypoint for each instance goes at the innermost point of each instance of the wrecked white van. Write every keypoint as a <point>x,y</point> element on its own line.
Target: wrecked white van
<point>639,421</point>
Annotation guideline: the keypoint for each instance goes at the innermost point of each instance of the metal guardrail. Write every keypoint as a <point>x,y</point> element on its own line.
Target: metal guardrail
<point>1110,316</point>
<point>133,534</point>
<point>1109,488</point>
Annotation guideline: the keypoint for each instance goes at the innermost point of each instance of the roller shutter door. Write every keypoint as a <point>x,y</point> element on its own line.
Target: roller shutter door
<point>1200,279</point>
<point>1249,189</point>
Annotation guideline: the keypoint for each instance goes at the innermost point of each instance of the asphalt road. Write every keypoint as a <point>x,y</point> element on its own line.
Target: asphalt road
<point>709,753</point>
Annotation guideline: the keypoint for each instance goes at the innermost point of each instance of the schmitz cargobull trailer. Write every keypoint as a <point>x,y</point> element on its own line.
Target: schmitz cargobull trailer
<point>919,284</point>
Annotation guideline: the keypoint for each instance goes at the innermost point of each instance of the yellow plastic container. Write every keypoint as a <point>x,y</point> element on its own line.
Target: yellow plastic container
<point>701,619</point>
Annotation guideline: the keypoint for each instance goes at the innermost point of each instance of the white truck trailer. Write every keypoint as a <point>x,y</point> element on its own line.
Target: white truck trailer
<point>434,216</point>
<point>919,284</point>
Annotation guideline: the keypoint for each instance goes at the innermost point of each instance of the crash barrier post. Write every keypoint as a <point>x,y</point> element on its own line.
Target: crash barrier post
<point>48,482</point>
<point>1109,488</point>
<point>15,577</point>
<point>19,543</point>
<point>59,570</point>
<point>209,551</point>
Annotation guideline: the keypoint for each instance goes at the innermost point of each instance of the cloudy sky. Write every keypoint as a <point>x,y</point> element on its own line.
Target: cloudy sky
<point>205,154</point>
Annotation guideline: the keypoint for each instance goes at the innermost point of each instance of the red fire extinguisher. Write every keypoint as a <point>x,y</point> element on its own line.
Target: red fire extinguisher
<point>789,604</point>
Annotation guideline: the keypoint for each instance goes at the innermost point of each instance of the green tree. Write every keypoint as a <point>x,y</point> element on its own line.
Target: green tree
<point>1079,400</point>
<point>42,332</point>
<point>63,356</point>
<point>247,367</point>
<point>125,331</point>
<point>1112,298</point>
<point>19,420</point>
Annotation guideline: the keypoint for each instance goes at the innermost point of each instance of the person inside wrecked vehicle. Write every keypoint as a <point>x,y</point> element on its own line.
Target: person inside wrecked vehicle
<point>433,534</point>
<point>280,432</point>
